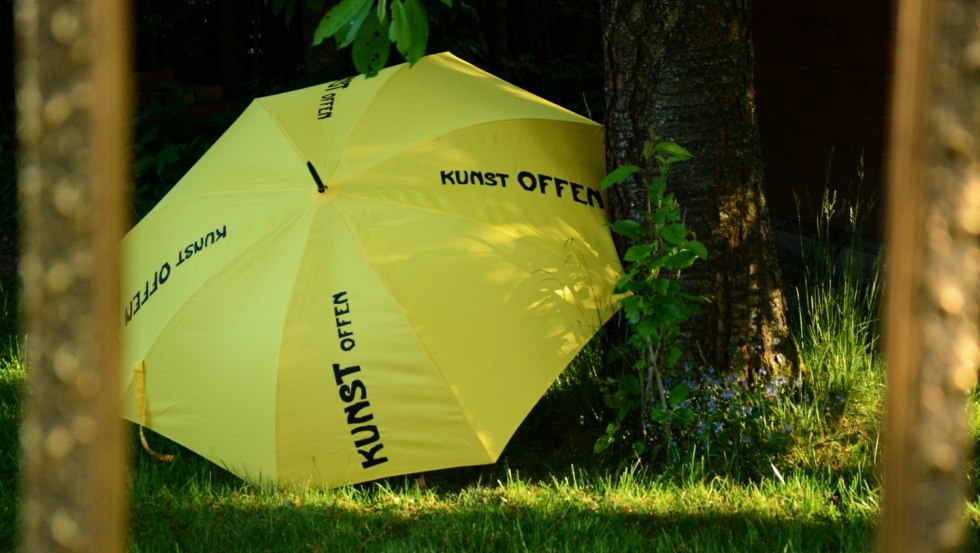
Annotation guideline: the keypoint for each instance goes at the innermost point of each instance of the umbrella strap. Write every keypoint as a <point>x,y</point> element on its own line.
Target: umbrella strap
<point>140,378</point>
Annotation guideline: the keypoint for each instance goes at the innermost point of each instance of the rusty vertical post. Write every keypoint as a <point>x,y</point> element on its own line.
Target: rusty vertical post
<point>932,308</point>
<point>73,104</point>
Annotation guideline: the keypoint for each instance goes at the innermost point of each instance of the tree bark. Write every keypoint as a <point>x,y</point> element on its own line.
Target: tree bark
<point>683,70</point>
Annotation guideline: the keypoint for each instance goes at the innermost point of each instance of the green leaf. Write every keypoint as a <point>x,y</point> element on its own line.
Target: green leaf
<point>626,284</point>
<point>398,30</point>
<point>355,26</point>
<point>639,448</point>
<point>371,47</point>
<point>448,3</point>
<point>169,154</point>
<point>628,228</point>
<point>674,233</point>
<point>677,395</point>
<point>339,16</point>
<point>685,416</point>
<point>698,248</point>
<point>672,150</point>
<point>671,312</point>
<point>634,307</point>
<point>694,298</point>
<point>630,384</point>
<point>648,149</point>
<point>418,25</point>
<point>602,444</point>
<point>619,175</point>
<point>679,260</point>
<point>638,252</point>
<point>659,415</point>
<point>647,328</point>
<point>277,6</point>
<point>659,285</point>
<point>657,188</point>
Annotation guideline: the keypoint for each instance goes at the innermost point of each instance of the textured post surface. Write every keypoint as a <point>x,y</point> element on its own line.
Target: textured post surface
<point>932,312</point>
<point>72,106</point>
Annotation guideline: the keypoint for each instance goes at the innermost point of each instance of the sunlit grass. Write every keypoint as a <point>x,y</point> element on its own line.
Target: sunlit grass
<point>841,405</point>
<point>579,510</point>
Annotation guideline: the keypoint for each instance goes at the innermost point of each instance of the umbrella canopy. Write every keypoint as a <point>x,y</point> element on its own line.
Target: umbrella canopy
<point>370,277</point>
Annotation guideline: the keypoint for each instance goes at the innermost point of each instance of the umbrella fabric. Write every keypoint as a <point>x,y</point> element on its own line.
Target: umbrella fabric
<point>405,318</point>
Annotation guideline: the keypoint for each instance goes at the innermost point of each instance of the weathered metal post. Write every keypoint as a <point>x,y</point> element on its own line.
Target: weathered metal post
<point>932,311</point>
<point>73,112</point>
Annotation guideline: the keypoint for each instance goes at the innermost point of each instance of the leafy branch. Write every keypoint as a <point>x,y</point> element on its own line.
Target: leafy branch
<point>656,306</point>
<point>371,27</point>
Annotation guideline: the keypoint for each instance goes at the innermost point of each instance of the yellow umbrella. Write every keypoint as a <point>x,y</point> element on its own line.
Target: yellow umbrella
<point>368,278</point>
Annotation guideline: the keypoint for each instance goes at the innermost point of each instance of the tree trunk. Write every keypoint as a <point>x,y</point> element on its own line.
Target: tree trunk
<point>931,346</point>
<point>73,98</point>
<point>683,70</point>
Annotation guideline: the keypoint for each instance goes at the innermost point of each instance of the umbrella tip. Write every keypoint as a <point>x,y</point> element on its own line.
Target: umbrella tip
<point>316,177</point>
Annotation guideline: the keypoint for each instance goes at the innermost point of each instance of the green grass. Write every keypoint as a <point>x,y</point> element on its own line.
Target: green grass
<point>817,492</point>
<point>576,511</point>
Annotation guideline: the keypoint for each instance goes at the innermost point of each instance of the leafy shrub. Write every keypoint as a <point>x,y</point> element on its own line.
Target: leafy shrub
<point>168,140</point>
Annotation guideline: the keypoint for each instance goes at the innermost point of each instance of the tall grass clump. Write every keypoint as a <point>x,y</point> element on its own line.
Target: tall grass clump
<point>841,400</point>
